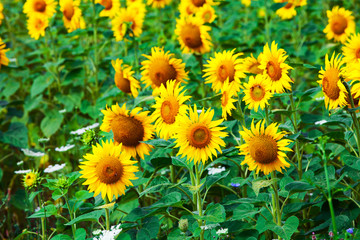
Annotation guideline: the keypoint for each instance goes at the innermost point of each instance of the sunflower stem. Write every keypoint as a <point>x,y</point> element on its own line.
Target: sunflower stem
<point>43,227</point>
<point>73,226</point>
<point>107,214</point>
<point>198,199</point>
<point>95,49</point>
<point>267,24</point>
<point>276,200</point>
<point>297,148</point>
<point>267,119</point>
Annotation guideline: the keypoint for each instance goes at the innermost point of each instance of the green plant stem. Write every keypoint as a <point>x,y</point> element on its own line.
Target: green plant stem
<point>172,174</point>
<point>267,119</point>
<point>136,44</point>
<point>73,226</point>
<point>95,50</point>
<point>276,201</point>
<point>43,227</point>
<point>329,198</point>
<point>198,199</point>
<point>107,215</point>
<point>297,148</point>
<point>267,24</point>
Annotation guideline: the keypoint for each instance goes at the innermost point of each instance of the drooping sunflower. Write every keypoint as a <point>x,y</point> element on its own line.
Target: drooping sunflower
<point>225,65</point>
<point>130,128</point>
<point>198,136</point>
<point>340,24</point>
<point>193,35</point>
<point>169,107</point>
<point>37,25</point>
<point>330,80</point>
<point>42,8</point>
<point>351,50</point>
<point>31,179</point>
<point>108,170</point>
<point>3,59</point>
<point>227,100</point>
<point>71,14</point>
<point>124,79</point>
<point>251,64</point>
<point>257,92</point>
<point>158,3</point>
<point>264,148</point>
<point>207,13</point>
<point>160,67</point>
<point>111,8</point>
<point>275,69</point>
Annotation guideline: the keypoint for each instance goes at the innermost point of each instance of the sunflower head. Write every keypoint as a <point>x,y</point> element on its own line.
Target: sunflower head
<point>3,59</point>
<point>288,11</point>
<point>257,92</point>
<point>251,64</point>
<point>340,24</point>
<point>207,13</point>
<point>264,148</point>
<point>108,170</point>
<point>71,14</point>
<point>227,99</point>
<point>111,7</point>
<point>42,8</point>
<point>124,79</point>
<point>32,180</point>
<point>351,50</point>
<point>36,25</point>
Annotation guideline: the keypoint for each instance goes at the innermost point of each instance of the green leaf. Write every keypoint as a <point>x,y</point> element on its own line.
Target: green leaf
<point>143,234</point>
<point>46,211</point>
<point>182,162</point>
<point>244,211</point>
<point>298,186</point>
<point>214,213</point>
<point>16,135</point>
<point>40,84</point>
<point>168,200</point>
<point>51,123</point>
<point>80,234</point>
<point>258,184</point>
<point>58,193</point>
<point>91,216</point>
<point>161,162</point>
<point>287,230</point>
<point>21,236</point>
<point>61,237</point>
<point>212,179</point>
<point>83,195</point>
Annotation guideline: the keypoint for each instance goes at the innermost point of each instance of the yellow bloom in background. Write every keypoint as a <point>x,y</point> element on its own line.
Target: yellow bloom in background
<point>193,35</point>
<point>129,2</point>
<point>225,65</point>
<point>351,50</point>
<point>257,92</point>
<point>207,13</point>
<point>37,25</point>
<point>288,11</point>
<point>264,148</point>
<point>195,5</point>
<point>261,12</point>
<point>158,3</point>
<point>169,107</point>
<point>330,80</point>
<point>198,136</point>
<point>160,67</point>
<point>1,12</point>
<point>251,64</point>
<point>227,100</point>
<point>130,128</point>
<point>31,179</point>
<point>353,73</point>
<point>275,69</point>
<point>340,24</point>
<point>124,79</point>
<point>247,3</point>
<point>185,9</point>
<point>111,8</point>
<point>40,8</point>
<point>108,170</point>
<point>71,14</point>
<point>4,61</point>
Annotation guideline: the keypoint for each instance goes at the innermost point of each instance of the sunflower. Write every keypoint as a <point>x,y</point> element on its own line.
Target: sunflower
<point>111,8</point>
<point>288,11</point>
<point>129,2</point>
<point>109,170</point>
<point>246,3</point>
<point>124,79</point>
<point>1,12</point>
<point>330,80</point>
<point>195,5</point>
<point>351,50</point>
<point>225,65</point>
<point>130,128</point>
<point>160,67</point>
<point>37,25</point>
<point>41,8</point>
<point>3,59</point>
<point>264,148</point>
<point>169,107</point>
<point>340,24</point>
<point>227,100</point>
<point>185,9</point>
<point>31,179</point>
<point>193,35</point>
<point>275,69</point>
<point>257,92</point>
<point>251,64</point>
<point>353,73</point>
<point>198,136</point>
<point>207,13</point>
<point>158,3</point>
<point>71,14</point>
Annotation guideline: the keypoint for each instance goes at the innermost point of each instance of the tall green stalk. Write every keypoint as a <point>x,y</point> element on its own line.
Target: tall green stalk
<point>107,214</point>
<point>198,201</point>
<point>95,49</point>
<point>297,147</point>
<point>276,200</point>
<point>73,226</point>
<point>43,224</point>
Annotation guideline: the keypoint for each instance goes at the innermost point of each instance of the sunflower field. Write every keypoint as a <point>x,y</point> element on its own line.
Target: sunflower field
<point>180,119</point>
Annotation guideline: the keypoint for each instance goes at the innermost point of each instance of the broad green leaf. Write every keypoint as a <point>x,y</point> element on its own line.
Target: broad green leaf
<point>258,184</point>
<point>16,135</point>
<point>80,234</point>
<point>61,237</point>
<point>83,195</point>
<point>51,123</point>
<point>91,216</point>
<point>212,179</point>
<point>298,186</point>
<point>244,211</point>
<point>40,84</point>
<point>46,211</point>
<point>287,230</point>
<point>168,200</point>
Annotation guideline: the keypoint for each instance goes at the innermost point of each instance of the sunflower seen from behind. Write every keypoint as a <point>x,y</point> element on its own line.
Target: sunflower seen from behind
<point>224,66</point>
<point>169,107</point>
<point>351,50</point>
<point>275,69</point>
<point>330,81</point>
<point>124,79</point>
<point>129,128</point>
<point>111,8</point>
<point>36,26</point>
<point>72,15</point>
<point>264,148</point>
<point>340,24</point>
<point>251,64</point>
<point>257,92</point>
<point>228,98</point>
<point>41,8</point>
<point>108,170</point>
<point>161,67</point>
<point>198,137</point>
<point>4,61</point>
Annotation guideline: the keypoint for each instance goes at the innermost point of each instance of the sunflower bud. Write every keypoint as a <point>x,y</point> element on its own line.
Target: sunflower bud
<point>183,224</point>
<point>88,137</point>
<point>62,183</point>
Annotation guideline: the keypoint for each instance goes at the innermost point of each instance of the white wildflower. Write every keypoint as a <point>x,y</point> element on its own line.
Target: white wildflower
<point>210,226</point>
<point>62,111</point>
<point>22,171</point>
<point>84,129</point>
<point>64,148</point>
<point>213,171</point>
<point>19,163</point>
<point>37,209</point>
<point>109,234</point>
<point>30,153</point>
<point>222,231</point>
<point>319,98</point>
<point>321,122</point>
<point>54,168</point>
<point>40,140</point>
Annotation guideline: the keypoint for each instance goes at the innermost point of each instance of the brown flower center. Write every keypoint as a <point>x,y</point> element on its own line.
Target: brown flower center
<point>339,24</point>
<point>199,136</point>
<point>226,70</point>
<point>357,53</point>
<point>107,4</point>
<point>254,68</point>
<point>69,11</point>
<point>288,5</point>
<point>207,16</point>
<point>39,24</point>
<point>329,82</point>
<point>263,149</point>
<point>273,70</point>
<point>191,36</point>
<point>198,3</point>
<point>224,98</point>
<point>257,92</point>
<point>161,71</point>
<point>127,130</point>
<point>40,6</point>
<point>109,170</point>
<point>169,110</point>
<point>122,83</point>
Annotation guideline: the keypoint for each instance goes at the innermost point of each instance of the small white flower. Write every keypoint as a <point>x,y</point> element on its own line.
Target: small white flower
<point>37,209</point>
<point>108,234</point>
<point>19,163</point>
<point>30,153</point>
<point>321,122</point>
<point>96,232</point>
<point>222,231</point>
<point>62,111</point>
<point>213,171</point>
<point>64,148</point>
<point>22,171</point>
<point>210,226</point>
<point>319,98</point>
<point>43,140</point>
<point>54,168</point>
<point>84,129</point>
